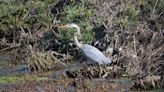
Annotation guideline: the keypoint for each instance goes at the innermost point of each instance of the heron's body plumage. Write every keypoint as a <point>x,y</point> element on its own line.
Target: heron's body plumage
<point>94,55</point>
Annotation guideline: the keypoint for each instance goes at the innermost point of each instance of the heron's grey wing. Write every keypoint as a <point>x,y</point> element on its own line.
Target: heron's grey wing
<point>93,53</point>
<point>92,50</point>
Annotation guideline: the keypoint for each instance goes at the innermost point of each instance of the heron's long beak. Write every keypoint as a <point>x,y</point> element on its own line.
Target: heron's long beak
<point>61,26</point>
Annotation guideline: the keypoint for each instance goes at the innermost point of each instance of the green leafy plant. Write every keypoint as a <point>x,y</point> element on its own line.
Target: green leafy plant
<point>16,79</point>
<point>79,14</point>
<point>133,12</point>
<point>72,11</point>
<point>122,22</point>
<point>21,13</point>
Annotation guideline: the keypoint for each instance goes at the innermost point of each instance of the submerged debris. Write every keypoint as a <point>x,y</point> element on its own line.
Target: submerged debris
<point>98,71</point>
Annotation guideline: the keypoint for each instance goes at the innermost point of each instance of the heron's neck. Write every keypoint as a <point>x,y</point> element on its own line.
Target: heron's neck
<point>79,45</point>
<point>77,30</point>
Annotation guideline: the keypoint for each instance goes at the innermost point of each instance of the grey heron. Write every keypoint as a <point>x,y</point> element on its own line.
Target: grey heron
<point>92,53</point>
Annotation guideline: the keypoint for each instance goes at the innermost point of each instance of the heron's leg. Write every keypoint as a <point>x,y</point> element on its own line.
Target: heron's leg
<point>100,69</point>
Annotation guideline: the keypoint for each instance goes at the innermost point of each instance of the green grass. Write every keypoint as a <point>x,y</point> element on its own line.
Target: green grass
<point>4,63</point>
<point>9,79</point>
<point>15,79</point>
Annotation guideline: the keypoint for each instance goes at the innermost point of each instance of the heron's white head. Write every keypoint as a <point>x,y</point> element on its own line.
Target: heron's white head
<point>72,25</point>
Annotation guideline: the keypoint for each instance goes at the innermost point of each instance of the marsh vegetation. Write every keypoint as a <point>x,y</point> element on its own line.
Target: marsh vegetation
<point>37,56</point>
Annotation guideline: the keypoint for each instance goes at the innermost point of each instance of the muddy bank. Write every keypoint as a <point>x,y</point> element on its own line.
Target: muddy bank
<point>63,85</point>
